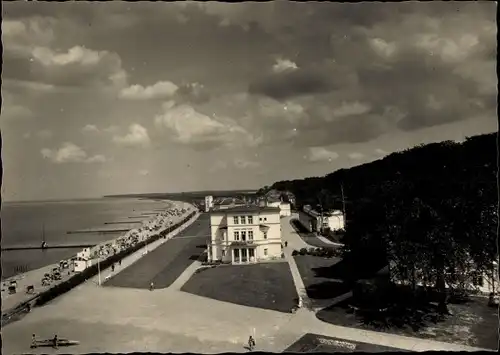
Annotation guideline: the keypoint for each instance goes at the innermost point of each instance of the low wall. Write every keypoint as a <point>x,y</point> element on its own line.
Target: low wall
<point>79,278</point>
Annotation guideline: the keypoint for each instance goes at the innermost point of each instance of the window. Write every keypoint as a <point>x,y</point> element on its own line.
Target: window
<point>260,219</point>
<point>251,253</point>
<point>235,220</point>
<point>250,235</point>
<point>265,235</point>
<point>265,252</point>
<point>242,219</point>
<point>250,219</point>
<point>243,235</point>
<point>236,235</point>
<point>265,218</point>
<point>478,281</point>
<point>223,253</point>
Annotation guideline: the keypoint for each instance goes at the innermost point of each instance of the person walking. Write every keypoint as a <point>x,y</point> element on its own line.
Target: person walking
<point>55,342</point>
<point>151,286</point>
<point>113,268</point>
<point>286,244</point>
<point>33,341</point>
<point>251,343</point>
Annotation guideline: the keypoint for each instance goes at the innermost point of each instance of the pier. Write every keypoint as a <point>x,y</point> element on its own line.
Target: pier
<point>58,246</point>
<point>101,231</point>
<point>123,222</point>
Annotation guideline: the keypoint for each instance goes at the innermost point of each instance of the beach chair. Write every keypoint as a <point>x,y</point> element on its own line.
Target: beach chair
<point>12,290</point>
<point>30,289</point>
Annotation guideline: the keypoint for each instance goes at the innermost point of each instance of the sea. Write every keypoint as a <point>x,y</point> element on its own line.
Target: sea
<point>29,223</point>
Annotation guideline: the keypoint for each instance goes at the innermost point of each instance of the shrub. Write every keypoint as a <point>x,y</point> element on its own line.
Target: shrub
<point>91,271</point>
<point>303,251</point>
<point>282,255</point>
<point>295,253</point>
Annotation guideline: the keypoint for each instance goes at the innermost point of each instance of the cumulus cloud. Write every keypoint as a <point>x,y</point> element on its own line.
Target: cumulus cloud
<point>282,65</point>
<point>144,172</point>
<point>379,151</point>
<point>350,109</point>
<point>137,136</point>
<point>159,90</point>
<point>318,154</point>
<point>188,126</point>
<point>70,153</point>
<point>192,92</point>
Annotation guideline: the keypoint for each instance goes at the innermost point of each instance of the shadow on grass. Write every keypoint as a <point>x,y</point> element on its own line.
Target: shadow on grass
<point>397,308</point>
<point>327,290</point>
<point>349,271</point>
<point>202,246</point>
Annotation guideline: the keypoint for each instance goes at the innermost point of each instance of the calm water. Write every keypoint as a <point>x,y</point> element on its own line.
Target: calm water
<point>23,222</point>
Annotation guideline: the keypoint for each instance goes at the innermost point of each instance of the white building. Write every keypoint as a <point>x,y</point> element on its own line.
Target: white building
<point>285,209</point>
<point>209,203</point>
<point>315,221</point>
<point>244,234</point>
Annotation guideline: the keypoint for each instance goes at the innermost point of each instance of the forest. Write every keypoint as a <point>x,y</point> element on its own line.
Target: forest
<point>431,211</point>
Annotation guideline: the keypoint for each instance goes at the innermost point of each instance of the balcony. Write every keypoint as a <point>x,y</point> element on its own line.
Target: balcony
<point>242,243</point>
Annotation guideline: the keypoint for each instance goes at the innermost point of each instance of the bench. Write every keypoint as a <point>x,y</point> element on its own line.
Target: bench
<point>30,289</point>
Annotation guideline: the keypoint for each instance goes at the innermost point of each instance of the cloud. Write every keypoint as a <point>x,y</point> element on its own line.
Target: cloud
<point>318,154</point>
<point>137,136</point>
<point>310,80</point>
<point>192,92</point>
<point>351,109</point>
<point>379,151</point>
<point>12,110</point>
<point>36,55</point>
<point>284,65</point>
<point>44,134</point>
<point>70,153</point>
<point>90,128</point>
<point>190,127</point>
<point>235,163</point>
<point>143,172</point>
<point>355,155</point>
<point>160,90</point>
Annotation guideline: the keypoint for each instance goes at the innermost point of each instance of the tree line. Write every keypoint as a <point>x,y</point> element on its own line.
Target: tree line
<point>430,211</point>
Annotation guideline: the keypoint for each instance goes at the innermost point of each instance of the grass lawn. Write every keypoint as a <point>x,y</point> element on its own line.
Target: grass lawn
<point>266,285</point>
<point>472,323</point>
<point>166,263</point>
<point>321,286</point>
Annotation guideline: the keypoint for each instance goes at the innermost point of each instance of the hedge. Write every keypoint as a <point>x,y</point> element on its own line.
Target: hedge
<point>93,270</point>
<point>322,252</point>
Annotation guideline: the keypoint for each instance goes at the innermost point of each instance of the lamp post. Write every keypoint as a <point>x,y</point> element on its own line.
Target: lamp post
<point>99,269</point>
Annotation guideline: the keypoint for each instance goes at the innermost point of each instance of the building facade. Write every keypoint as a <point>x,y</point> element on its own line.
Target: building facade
<point>245,234</point>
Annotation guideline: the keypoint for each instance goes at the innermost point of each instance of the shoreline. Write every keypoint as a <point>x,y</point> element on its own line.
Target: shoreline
<point>95,214</point>
<point>161,221</point>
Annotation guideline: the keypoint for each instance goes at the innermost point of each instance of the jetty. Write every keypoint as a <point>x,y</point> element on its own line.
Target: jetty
<point>123,222</point>
<point>57,246</point>
<point>100,231</point>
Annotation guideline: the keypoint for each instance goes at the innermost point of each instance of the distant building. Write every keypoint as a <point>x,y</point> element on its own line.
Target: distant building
<point>209,203</point>
<point>244,234</point>
<point>314,221</point>
<point>285,209</point>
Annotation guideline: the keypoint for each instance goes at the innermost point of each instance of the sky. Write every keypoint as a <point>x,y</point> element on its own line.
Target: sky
<point>123,97</point>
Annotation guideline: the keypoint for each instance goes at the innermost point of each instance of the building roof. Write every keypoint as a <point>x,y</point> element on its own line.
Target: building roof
<point>246,209</point>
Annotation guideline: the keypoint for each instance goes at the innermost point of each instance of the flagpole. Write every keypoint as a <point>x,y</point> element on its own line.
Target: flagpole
<point>99,268</point>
